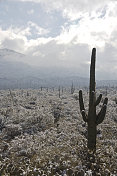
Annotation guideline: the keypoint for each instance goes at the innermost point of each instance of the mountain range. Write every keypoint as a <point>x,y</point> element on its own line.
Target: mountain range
<point>15,73</point>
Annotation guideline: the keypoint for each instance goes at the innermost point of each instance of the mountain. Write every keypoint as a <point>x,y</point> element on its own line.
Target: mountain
<point>11,65</point>
<point>14,73</point>
<point>7,52</point>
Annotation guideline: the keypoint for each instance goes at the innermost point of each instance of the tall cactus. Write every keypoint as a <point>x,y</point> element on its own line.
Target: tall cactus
<point>92,118</point>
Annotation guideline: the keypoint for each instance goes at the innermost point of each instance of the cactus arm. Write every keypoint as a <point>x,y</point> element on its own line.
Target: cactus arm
<point>81,103</point>
<point>82,109</point>
<point>98,100</point>
<point>84,116</point>
<point>101,115</point>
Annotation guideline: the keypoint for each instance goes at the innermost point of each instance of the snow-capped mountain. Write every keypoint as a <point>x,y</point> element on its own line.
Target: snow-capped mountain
<point>11,64</point>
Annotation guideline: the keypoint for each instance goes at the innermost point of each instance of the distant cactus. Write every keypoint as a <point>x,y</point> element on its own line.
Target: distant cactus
<point>106,91</point>
<point>59,89</point>
<point>92,118</point>
<point>27,94</point>
<point>72,88</point>
<point>62,90</point>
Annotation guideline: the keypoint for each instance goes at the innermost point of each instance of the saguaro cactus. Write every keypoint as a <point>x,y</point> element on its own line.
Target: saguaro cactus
<point>92,118</point>
<point>72,88</point>
<point>59,89</point>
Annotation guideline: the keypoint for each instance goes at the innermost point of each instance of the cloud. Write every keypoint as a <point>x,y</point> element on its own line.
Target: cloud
<point>20,38</point>
<point>87,25</point>
<point>50,52</point>
<point>72,8</point>
<point>14,38</point>
<point>91,22</point>
<point>107,62</point>
<point>95,29</point>
<point>14,44</point>
<point>30,12</point>
<point>38,30</point>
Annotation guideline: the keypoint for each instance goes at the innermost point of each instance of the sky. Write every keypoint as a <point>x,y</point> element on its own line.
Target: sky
<point>62,33</point>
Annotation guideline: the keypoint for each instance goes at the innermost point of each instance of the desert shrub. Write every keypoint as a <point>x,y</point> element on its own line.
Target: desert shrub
<point>11,131</point>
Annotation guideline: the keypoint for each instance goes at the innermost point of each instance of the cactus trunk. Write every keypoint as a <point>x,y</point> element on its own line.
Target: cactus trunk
<point>92,130</point>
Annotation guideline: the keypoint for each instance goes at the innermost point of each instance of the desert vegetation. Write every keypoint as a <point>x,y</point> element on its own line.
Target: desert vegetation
<point>42,132</point>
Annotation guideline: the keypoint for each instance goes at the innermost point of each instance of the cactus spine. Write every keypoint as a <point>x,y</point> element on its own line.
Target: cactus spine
<point>92,118</point>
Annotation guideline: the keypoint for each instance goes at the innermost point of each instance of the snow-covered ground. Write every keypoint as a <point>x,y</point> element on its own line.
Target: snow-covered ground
<point>42,134</point>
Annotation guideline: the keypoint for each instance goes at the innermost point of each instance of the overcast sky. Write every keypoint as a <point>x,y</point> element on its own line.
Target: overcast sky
<point>62,33</point>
